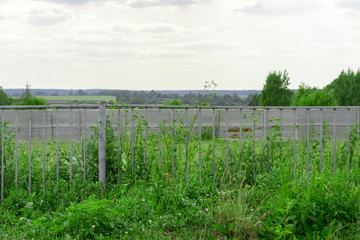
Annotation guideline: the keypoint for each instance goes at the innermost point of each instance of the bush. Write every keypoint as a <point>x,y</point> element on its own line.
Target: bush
<point>317,207</point>
<point>306,96</point>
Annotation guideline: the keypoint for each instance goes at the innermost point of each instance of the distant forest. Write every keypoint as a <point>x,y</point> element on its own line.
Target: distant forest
<point>173,97</point>
<point>153,97</point>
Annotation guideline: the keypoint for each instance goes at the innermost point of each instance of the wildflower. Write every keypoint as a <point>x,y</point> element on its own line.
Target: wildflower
<point>126,232</point>
<point>93,226</point>
<point>179,214</point>
<point>149,221</point>
<point>206,209</point>
<point>160,217</point>
<point>143,200</point>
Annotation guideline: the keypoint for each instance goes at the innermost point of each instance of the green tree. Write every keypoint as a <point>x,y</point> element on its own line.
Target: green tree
<point>275,91</point>
<point>28,99</point>
<point>4,98</point>
<point>307,96</point>
<point>175,102</point>
<point>346,88</point>
<point>255,100</point>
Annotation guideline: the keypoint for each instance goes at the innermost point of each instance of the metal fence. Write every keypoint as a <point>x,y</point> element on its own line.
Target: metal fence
<point>71,123</point>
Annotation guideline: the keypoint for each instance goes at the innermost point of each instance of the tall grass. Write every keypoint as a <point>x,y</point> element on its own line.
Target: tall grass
<point>142,201</point>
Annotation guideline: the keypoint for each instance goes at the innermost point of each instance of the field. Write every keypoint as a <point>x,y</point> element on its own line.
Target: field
<point>78,99</point>
<point>256,198</point>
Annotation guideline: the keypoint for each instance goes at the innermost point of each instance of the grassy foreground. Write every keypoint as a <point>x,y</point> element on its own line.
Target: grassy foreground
<point>142,201</point>
<point>324,207</point>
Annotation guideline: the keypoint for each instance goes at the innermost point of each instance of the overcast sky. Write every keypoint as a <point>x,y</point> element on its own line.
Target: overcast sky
<point>175,44</point>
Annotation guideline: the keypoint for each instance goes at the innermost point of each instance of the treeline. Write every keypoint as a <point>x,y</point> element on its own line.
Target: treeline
<point>153,97</point>
<point>25,99</point>
<point>343,91</point>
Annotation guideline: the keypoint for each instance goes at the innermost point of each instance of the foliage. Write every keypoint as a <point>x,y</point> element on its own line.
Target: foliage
<point>28,99</point>
<point>255,100</point>
<point>275,91</point>
<point>316,208</point>
<point>307,96</point>
<point>190,98</point>
<point>144,201</point>
<point>175,102</point>
<point>4,98</point>
<point>9,147</point>
<point>346,88</point>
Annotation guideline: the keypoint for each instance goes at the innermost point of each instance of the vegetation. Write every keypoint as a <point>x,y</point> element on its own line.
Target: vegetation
<point>307,96</point>
<point>343,91</point>
<point>81,99</point>
<point>153,97</point>
<point>346,88</point>
<point>26,98</point>
<point>275,91</point>
<point>255,100</point>
<point>143,201</point>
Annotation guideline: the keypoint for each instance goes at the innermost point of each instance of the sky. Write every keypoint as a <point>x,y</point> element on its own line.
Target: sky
<point>175,44</point>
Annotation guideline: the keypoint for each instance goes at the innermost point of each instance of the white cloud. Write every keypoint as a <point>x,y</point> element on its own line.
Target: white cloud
<point>122,28</point>
<point>44,17</point>
<point>165,3</point>
<point>72,2</point>
<point>39,14</point>
<point>279,7</point>
<point>158,28</point>
<point>209,45</point>
<point>166,54</point>
<point>351,4</point>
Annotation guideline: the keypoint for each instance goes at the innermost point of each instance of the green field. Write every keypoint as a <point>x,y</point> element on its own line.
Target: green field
<point>247,200</point>
<point>78,99</point>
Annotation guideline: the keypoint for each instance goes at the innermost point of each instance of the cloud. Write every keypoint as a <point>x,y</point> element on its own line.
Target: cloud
<point>122,28</point>
<point>45,17</point>
<point>279,7</point>
<point>164,3</point>
<point>73,2</point>
<point>166,55</point>
<point>209,45</point>
<point>352,4</point>
<point>158,28</point>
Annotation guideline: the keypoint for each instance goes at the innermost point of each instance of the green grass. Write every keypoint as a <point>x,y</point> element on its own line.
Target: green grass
<point>78,99</point>
<point>151,203</point>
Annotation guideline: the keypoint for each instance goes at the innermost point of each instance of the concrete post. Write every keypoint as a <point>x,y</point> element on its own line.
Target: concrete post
<point>102,143</point>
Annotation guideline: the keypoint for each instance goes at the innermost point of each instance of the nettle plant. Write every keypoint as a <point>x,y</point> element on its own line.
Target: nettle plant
<point>9,152</point>
<point>138,155</point>
<point>348,149</point>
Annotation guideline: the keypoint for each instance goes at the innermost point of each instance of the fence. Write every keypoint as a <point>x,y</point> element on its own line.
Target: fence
<point>73,122</point>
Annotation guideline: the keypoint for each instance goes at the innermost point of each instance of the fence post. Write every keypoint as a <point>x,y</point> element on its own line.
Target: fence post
<point>102,143</point>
